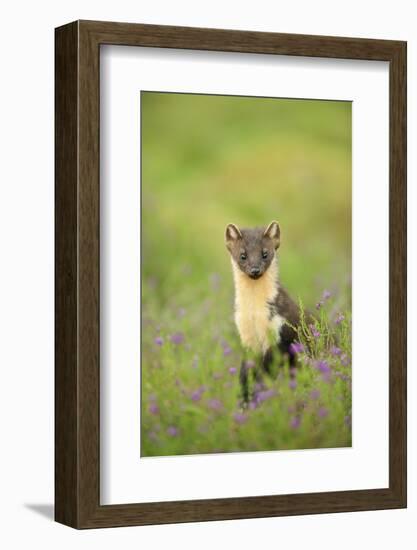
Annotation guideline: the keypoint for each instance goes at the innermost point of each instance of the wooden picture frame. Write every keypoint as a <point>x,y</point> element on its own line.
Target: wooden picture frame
<point>77,359</point>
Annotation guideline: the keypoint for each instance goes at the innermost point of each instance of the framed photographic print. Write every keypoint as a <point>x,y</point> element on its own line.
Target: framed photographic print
<point>230,274</point>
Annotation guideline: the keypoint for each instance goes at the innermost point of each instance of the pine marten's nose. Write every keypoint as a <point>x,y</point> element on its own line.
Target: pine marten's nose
<point>255,271</point>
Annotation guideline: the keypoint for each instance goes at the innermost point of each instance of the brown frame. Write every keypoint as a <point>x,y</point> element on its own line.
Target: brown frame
<point>77,274</point>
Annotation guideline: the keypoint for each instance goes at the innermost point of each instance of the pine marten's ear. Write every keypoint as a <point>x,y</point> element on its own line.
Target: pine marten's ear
<point>232,234</point>
<point>273,232</point>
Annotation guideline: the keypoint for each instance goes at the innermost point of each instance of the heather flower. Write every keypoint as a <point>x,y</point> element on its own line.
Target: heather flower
<point>196,395</point>
<point>323,412</point>
<point>295,422</point>
<point>215,404</point>
<point>227,350</point>
<point>159,341</point>
<point>296,347</point>
<point>233,370</point>
<point>326,295</point>
<point>264,395</point>
<point>292,384</point>
<point>172,431</point>
<point>339,319</point>
<point>314,331</point>
<point>315,394</point>
<point>153,408</point>
<point>323,367</point>
<point>334,350</point>
<point>344,360</point>
<point>177,338</point>
<point>240,418</point>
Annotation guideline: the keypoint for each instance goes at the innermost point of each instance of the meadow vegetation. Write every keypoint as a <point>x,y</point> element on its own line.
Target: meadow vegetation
<point>208,161</point>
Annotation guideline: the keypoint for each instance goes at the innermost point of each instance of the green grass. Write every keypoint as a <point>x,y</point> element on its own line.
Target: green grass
<point>208,161</point>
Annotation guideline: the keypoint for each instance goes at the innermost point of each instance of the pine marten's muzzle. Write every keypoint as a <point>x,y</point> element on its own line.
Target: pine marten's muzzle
<point>255,272</point>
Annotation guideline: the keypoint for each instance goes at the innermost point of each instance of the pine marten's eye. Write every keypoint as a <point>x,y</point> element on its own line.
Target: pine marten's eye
<point>264,254</point>
<point>243,256</point>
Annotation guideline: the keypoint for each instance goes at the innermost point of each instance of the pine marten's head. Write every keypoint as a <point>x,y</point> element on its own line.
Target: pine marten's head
<point>253,250</point>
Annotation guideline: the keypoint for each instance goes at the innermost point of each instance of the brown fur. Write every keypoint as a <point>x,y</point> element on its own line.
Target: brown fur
<point>263,308</point>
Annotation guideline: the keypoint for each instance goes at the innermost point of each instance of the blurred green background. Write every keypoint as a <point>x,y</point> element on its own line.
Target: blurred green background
<point>211,160</point>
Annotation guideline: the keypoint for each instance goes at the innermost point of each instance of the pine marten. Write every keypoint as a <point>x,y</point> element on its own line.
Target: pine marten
<point>265,315</point>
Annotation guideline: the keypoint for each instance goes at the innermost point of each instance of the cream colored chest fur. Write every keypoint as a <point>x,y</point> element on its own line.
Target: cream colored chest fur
<point>252,313</point>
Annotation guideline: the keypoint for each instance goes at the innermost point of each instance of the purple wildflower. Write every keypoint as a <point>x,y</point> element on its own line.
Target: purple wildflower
<point>159,341</point>
<point>315,394</point>
<point>322,412</point>
<point>348,420</point>
<point>227,350</point>
<point>196,395</point>
<point>344,359</point>
<point>153,408</point>
<point>323,367</point>
<point>296,347</point>
<point>295,422</point>
<point>334,350</point>
<point>339,319</point>
<point>326,295</point>
<point>264,395</point>
<point>215,404</point>
<point>319,305</point>
<point>292,384</point>
<point>240,418</point>
<point>314,331</point>
<point>233,370</point>
<point>177,338</point>
<point>172,431</point>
